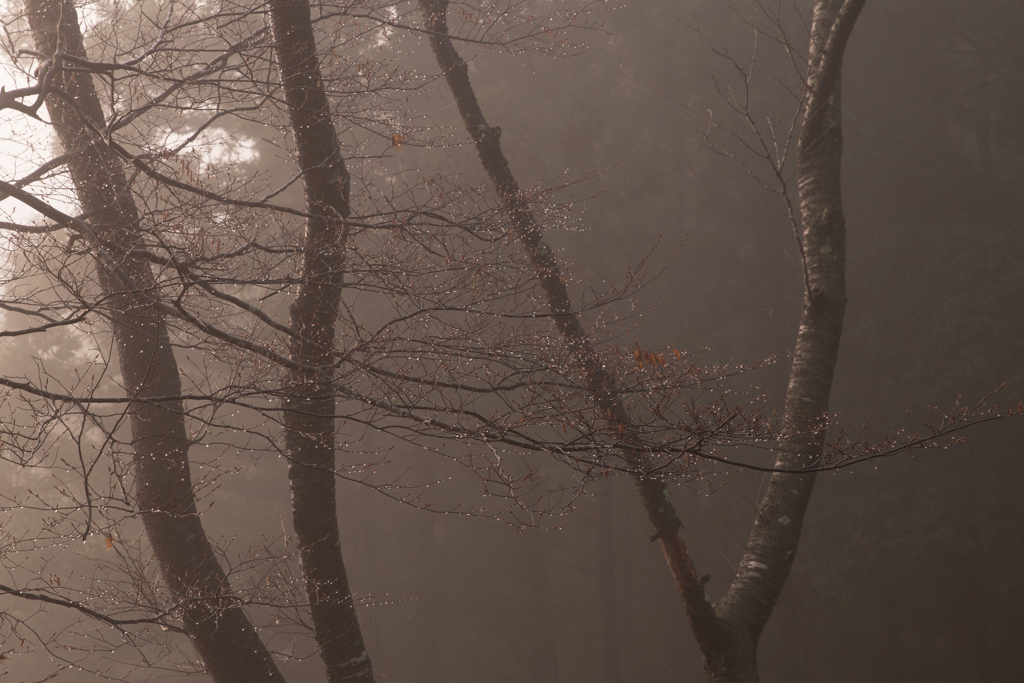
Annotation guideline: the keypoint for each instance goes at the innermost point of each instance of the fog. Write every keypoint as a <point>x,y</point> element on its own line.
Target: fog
<point>675,237</point>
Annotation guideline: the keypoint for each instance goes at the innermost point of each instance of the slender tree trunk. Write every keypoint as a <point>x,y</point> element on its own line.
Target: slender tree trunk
<point>771,548</point>
<point>727,632</point>
<point>310,396</point>
<point>221,632</point>
<point>978,636</point>
<point>654,493</point>
<point>429,605</point>
<point>624,649</point>
<point>608,595</point>
<point>893,646</point>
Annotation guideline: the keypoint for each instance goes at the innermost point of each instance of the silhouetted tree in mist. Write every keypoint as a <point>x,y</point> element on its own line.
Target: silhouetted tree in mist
<point>210,615</point>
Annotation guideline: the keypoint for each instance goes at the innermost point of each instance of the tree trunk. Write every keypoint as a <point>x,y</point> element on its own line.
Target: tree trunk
<point>772,545</point>
<point>654,493</point>
<point>310,396</point>
<point>728,632</point>
<point>221,632</point>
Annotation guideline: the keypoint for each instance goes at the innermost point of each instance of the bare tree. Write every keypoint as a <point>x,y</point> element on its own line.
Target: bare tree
<point>211,617</point>
<point>728,631</point>
<point>191,262</point>
<point>728,636</point>
<point>414,313</point>
<point>309,417</point>
<point>600,383</point>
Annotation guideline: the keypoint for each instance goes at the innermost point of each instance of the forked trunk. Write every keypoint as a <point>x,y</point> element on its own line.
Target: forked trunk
<point>727,632</point>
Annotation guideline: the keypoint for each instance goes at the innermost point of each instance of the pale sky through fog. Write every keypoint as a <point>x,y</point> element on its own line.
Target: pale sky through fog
<point>29,143</point>
<point>26,144</point>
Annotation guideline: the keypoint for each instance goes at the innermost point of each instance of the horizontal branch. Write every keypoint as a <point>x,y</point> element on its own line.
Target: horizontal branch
<point>99,616</point>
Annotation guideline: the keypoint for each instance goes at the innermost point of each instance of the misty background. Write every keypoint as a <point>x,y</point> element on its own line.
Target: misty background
<point>908,567</point>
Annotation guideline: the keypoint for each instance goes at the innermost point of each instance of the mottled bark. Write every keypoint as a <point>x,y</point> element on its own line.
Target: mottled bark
<point>727,632</point>
<point>772,546</point>
<point>221,632</point>
<point>310,396</point>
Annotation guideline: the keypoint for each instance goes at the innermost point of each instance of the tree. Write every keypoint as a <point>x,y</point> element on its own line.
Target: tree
<point>309,416</point>
<point>731,631</point>
<point>957,244</point>
<point>727,631</point>
<point>740,617</point>
<point>216,624</point>
<point>213,618</point>
<point>415,314</point>
<point>460,356</point>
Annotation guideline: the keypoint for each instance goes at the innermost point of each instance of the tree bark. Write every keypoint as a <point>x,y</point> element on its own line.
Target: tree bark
<point>220,630</point>
<point>772,545</point>
<point>309,417</point>
<point>727,632</point>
